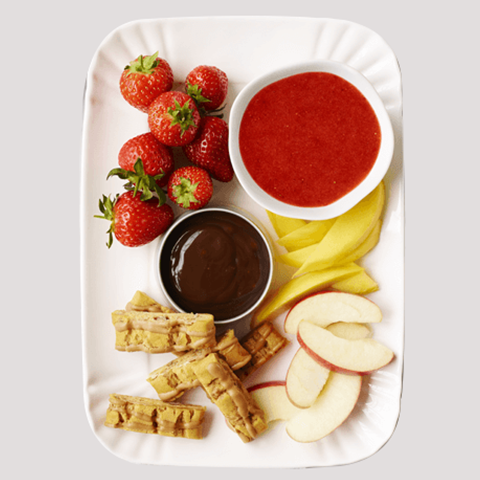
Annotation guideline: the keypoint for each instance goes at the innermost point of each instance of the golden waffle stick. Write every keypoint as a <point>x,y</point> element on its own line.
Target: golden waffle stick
<point>145,415</point>
<point>173,379</point>
<point>230,349</point>
<point>263,343</point>
<point>228,393</point>
<point>154,332</point>
<point>141,302</point>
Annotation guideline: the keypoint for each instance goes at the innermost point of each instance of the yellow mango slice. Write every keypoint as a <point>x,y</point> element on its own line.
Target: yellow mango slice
<point>307,235</point>
<point>284,225</point>
<point>297,258</point>
<point>301,286</point>
<point>347,233</point>
<point>368,244</point>
<point>360,284</point>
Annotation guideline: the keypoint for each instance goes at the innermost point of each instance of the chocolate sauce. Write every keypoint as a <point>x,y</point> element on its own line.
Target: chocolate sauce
<point>215,262</point>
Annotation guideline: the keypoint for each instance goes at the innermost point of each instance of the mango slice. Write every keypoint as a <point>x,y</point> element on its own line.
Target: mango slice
<point>297,258</point>
<point>360,284</point>
<point>307,235</point>
<point>368,244</point>
<point>284,225</point>
<point>347,233</point>
<point>301,286</point>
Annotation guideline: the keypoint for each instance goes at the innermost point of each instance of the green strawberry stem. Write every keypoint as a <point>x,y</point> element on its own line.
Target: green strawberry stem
<point>184,192</point>
<point>143,64</point>
<point>106,206</point>
<point>139,181</point>
<point>195,92</point>
<point>182,115</point>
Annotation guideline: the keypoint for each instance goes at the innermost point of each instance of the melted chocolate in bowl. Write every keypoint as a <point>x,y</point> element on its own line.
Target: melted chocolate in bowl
<point>215,262</point>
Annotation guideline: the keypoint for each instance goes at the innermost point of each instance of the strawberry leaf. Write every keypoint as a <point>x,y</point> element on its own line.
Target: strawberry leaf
<point>143,64</point>
<point>182,115</point>
<point>106,206</point>
<point>139,181</point>
<point>184,192</point>
<point>195,91</point>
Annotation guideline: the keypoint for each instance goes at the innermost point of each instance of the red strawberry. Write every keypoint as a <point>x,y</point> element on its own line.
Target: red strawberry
<point>208,86</point>
<point>157,158</point>
<point>144,79</point>
<point>209,149</point>
<point>134,222</point>
<point>190,187</point>
<point>173,118</point>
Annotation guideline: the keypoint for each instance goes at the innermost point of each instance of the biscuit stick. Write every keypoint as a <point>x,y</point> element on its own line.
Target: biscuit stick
<point>145,415</point>
<point>227,392</point>
<point>154,332</point>
<point>176,377</point>
<point>263,343</point>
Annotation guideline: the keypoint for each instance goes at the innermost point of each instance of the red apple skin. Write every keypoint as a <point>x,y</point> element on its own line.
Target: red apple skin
<point>329,365</point>
<point>272,383</point>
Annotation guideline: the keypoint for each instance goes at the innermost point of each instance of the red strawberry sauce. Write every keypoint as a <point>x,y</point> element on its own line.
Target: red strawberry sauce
<point>309,139</point>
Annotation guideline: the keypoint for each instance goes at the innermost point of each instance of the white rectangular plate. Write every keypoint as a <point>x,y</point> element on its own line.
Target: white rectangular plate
<point>243,47</point>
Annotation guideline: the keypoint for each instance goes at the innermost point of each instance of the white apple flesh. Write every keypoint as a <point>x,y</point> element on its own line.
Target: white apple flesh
<point>332,407</point>
<point>359,357</point>
<point>325,308</point>
<point>306,377</point>
<point>272,398</point>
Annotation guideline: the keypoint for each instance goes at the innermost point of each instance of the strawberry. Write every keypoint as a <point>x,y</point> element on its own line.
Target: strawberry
<point>173,118</point>
<point>208,86</point>
<point>134,222</point>
<point>144,79</point>
<point>209,149</point>
<point>157,158</point>
<point>190,187</point>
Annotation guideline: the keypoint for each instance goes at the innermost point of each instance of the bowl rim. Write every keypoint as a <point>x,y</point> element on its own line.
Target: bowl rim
<point>376,174</point>
<point>227,209</point>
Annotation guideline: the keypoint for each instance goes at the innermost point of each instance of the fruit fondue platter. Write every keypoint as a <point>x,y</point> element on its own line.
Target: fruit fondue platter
<point>296,359</point>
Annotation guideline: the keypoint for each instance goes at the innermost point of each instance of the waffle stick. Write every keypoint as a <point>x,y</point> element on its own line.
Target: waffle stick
<point>228,393</point>
<point>157,332</point>
<point>141,302</point>
<point>263,343</point>
<point>144,415</point>
<point>176,377</point>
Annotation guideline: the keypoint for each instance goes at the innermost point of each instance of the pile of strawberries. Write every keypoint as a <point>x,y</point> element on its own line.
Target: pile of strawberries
<point>189,120</point>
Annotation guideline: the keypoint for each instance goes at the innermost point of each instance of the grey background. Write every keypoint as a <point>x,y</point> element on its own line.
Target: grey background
<point>46,50</point>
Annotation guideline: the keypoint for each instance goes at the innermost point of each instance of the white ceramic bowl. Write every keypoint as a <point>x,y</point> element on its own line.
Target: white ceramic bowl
<point>170,237</point>
<point>345,203</point>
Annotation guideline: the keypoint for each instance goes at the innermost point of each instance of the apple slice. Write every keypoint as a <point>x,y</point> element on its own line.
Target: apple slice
<point>359,357</point>
<point>332,407</point>
<point>306,377</point>
<point>272,398</point>
<point>297,288</point>
<point>324,308</point>
<point>350,331</point>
